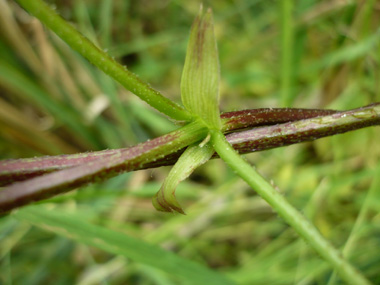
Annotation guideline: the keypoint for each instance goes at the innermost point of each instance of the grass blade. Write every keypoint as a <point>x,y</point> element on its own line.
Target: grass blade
<point>100,59</point>
<point>120,244</point>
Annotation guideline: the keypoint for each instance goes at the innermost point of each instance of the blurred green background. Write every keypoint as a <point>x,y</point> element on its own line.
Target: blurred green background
<point>310,54</point>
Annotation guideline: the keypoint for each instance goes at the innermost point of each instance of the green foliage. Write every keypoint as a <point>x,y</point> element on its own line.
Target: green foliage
<point>193,157</point>
<point>227,227</point>
<point>200,76</point>
<point>114,242</point>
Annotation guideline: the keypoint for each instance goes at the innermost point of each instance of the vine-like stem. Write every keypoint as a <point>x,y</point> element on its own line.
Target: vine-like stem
<point>305,130</point>
<point>199,82</point>
<point>51,184</point>
<point>297,129</point>
<point>294,218</point>
<point>84,168</point>
<point>233,121</point>
<point>23,169</point>
<point>103,61</point>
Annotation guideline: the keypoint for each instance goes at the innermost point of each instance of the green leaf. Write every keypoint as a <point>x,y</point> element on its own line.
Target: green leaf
<point>76,228</point>
<point>194,156</point>
<point>200,77</point>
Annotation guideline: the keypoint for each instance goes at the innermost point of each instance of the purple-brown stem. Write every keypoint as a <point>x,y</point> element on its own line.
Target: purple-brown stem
<point>45,186</point>
<point>22,169</point>
<point>264,138</point>
<point>163,151</point>
<point>237,120</point>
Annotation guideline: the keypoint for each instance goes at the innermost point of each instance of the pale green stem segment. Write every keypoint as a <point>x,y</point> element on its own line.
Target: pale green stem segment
<point>294,218</point>
<point>99,58</point>
<point>193,157</point>
<point>200,76</point>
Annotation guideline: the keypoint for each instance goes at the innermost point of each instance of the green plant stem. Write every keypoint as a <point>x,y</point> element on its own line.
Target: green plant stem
<point>99,58</point>
<point>294,218</point>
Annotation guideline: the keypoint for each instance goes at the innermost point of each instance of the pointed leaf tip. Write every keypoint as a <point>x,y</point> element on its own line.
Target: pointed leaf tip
<point>200,77</point>
<point>194,156</point>
<point>166,203</point>
<point>159,203</point>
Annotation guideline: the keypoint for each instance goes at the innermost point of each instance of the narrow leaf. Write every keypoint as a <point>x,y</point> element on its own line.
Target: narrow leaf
<point>103,61</point>
<point>200,77</point>
<point>194,156</point>
<point>115,242</point>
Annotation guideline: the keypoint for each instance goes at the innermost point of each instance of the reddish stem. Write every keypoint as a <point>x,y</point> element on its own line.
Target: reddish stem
<point>166,149</point>
<point>22,169</point>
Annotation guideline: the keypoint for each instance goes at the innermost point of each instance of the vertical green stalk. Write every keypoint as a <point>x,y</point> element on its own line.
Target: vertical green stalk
<point>287,46</point>
<point>294,218</point>
<point>103,61</point>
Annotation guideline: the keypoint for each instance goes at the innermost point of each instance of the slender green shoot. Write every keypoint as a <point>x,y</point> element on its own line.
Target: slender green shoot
<point>295,219</point>
<point>99,58</point>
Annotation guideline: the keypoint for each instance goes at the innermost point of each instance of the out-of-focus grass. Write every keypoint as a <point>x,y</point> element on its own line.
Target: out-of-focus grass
<point>52,101</point>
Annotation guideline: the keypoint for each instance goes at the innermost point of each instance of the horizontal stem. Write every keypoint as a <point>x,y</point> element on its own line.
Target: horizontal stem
<point>51,184</point>
<point>233,121</point>
<point>103,61</point>
<point>257,139</point>
<point>165,150</point>
<point>264,138</point>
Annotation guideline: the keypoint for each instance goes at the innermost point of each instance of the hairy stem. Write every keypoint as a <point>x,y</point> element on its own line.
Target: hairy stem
<point>264,138</point>
<point>164,150</point>
<point>295,130</point>
<point>23,169</point>
<point>233,121</point>
<point>99,58</point>
<point>294,218</point>
<point>51,184</point>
